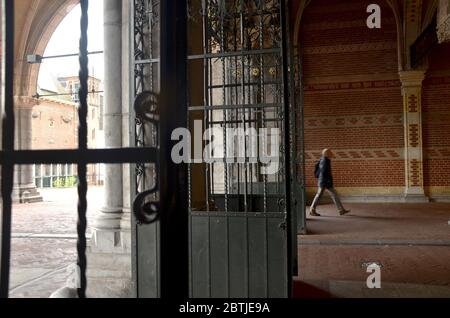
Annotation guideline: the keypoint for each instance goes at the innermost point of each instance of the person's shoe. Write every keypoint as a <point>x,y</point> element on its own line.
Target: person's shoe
<point>313,213</point>
<point>343,212</point>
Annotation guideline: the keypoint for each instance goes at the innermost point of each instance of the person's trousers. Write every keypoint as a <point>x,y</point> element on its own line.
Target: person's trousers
<point>334,196</point>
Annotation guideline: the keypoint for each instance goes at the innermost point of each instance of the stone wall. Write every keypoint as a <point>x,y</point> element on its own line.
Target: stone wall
<point>54,125</point>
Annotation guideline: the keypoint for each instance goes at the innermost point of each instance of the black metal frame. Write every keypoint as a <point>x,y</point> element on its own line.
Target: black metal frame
<point>174,252</point>
<point>7,141</point>
<point>9,157</point>
<point>287,144</point>
<point>161,187</point>
<point>239,38</point>
<point>170,181</point>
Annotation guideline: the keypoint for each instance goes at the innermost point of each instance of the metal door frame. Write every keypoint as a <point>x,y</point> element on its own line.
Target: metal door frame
<point>168,274</point>
<point>206,219</point>
<point>177,60</point>
<point>174,221</point>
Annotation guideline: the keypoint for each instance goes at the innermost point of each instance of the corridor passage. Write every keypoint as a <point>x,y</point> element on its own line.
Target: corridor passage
<point>411,242</point>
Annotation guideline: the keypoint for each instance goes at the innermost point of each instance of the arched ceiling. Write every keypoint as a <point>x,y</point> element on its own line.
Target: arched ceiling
<point>35,22</point>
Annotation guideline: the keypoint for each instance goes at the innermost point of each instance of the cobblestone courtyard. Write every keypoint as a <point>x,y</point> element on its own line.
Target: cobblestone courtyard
<point>44,241</point>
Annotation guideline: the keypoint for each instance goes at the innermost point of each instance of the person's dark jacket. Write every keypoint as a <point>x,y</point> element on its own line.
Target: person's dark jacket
<point>325,176</point>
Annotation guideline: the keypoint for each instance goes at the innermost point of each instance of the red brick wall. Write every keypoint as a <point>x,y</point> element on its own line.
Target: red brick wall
<point>62,134</point>
<point>436,118</point>
<point>353,101</point>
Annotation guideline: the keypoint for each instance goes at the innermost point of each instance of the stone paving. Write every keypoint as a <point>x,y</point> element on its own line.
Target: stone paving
<point>386,221</point>
<point>44,241</point>
<point>410,241</point>
<point>330,256</point>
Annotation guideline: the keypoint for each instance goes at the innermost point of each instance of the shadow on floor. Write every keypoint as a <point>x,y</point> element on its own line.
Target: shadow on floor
<point>305,290</point>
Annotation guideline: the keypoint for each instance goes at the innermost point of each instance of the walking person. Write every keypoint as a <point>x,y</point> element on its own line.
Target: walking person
<point>325,182</point>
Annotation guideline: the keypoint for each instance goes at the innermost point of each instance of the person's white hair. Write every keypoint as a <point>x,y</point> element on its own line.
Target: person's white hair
<point>325,151</point>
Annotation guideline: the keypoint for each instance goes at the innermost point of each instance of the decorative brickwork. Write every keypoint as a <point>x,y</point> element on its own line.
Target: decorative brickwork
<point>415,173</point>
<point>364,47</point>
<point>412,104</point>
<point>413,10</point>
<point>352,85</point>
<point>353,101</point>
<point>414,138</point>
<point>354,121</point>
<point>412,97</point>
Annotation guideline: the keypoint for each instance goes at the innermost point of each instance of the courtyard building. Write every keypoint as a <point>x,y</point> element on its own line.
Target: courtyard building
<point>55,126</point>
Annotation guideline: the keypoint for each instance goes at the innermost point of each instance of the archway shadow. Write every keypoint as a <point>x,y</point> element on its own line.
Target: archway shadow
<point>305,290</point>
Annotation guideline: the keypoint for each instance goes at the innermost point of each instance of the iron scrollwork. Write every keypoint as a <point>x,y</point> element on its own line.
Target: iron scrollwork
<point>146,210</point>
<point>146,107</point>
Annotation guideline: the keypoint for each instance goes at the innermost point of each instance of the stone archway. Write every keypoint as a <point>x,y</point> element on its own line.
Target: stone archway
<point>35,22</point>
<point>300,5</point>
<point>332,35</point>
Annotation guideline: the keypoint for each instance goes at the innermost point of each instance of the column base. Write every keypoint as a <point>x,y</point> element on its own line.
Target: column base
<point>109,266</point>
<point>416,198</point>
<point>26,194</point>
<point>109,275</point>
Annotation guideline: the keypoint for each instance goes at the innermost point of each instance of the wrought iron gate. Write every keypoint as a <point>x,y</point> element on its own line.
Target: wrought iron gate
<point>235,77</point>
<point>239,203</point>
<point>298,141</point>
<point>82,156</point>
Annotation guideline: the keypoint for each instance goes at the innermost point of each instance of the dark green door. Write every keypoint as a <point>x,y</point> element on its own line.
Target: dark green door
<point>240,171</point>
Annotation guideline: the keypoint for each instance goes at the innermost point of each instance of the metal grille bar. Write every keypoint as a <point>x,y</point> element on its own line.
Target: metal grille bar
<point>9,157</point>
<point>7,141</point>
<point>239,214</point>
<point>89,156</point>
<point>287,142</point>
<point>82,146</point>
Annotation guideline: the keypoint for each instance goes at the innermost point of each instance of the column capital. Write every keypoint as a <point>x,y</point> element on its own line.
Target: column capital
<point>444,31</point>
<point>25,102</point>
<point>412,78</point>
<point>443,23</point>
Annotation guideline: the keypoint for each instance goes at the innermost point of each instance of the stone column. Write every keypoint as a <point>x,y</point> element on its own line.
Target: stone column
<point>24,190</point>
<point>109,259</point>
<point>443,23</point>
<point>127,84</point>
<point>412,110</point>
<point>107,224</point>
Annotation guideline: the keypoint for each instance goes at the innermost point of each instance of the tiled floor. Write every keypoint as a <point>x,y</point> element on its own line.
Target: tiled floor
<point>410,241</point>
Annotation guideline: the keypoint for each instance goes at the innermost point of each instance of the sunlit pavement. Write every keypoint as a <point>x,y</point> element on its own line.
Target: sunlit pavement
<point>44,241</point>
